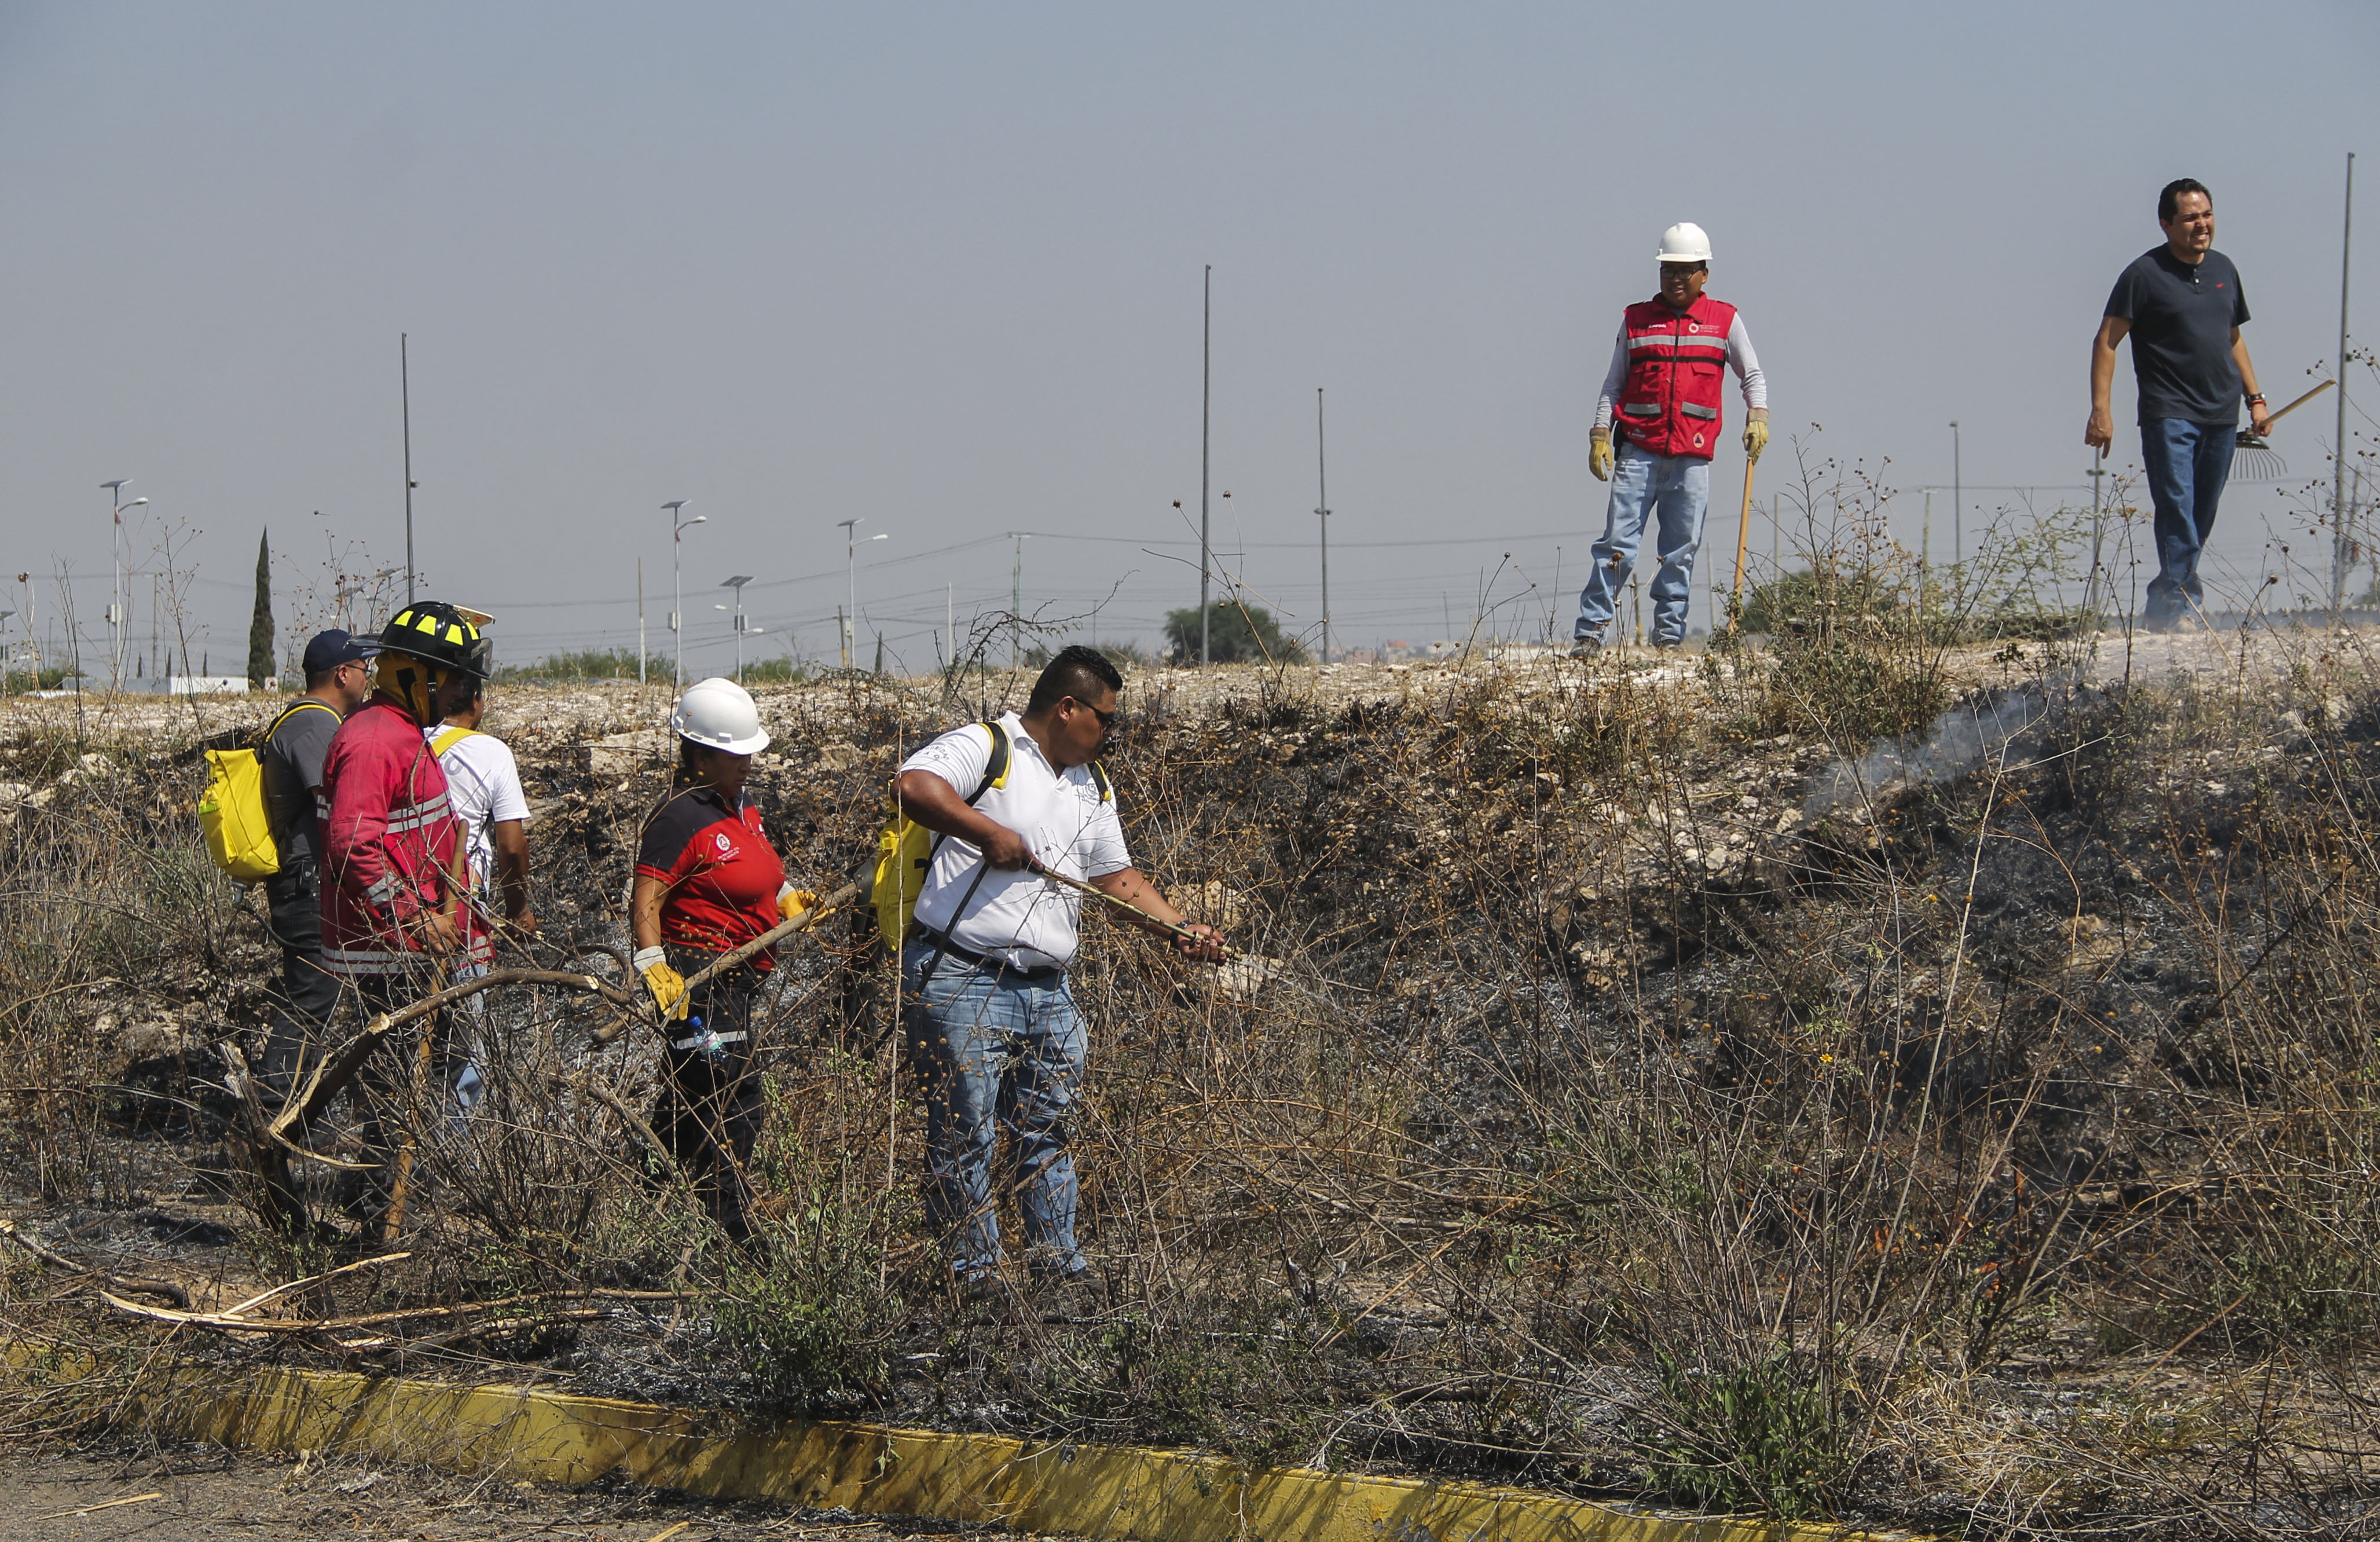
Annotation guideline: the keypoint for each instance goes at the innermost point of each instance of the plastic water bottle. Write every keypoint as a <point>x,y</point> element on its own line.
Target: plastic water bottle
<point>706,1040</point>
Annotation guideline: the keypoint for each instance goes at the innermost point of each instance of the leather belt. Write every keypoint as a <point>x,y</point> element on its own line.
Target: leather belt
<point>941,943</point>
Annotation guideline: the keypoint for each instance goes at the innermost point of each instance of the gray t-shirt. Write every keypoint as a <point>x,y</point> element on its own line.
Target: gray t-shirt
<point>291,761</point>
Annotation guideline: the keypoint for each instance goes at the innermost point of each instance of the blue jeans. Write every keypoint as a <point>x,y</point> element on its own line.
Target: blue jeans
<point>1679,488</point>
<point>996,1054</point>
<point>2186,465</point>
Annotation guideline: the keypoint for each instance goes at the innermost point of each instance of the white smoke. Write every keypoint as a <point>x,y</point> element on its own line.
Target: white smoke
<point>1960,740</point>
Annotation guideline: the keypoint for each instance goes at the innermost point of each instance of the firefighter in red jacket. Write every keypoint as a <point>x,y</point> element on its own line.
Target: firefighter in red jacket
<point>392,874</point>
<point>1662,395</point>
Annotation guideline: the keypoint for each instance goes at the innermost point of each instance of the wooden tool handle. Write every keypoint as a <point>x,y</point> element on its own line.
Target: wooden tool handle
<point>1743,531</point>
<point>768,939</point>
<point>2300,401</point>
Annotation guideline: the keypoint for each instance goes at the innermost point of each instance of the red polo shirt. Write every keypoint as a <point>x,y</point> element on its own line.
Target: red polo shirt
<point>723,876</point>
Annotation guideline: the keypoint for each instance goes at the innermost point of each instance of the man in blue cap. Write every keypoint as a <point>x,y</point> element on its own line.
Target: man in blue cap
<point>337,681</point>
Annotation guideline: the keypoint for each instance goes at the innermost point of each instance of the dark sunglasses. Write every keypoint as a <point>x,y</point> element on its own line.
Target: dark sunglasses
<point>1107,720</point>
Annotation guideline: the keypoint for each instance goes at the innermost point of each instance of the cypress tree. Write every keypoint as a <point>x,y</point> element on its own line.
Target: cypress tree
<point>259,626</point>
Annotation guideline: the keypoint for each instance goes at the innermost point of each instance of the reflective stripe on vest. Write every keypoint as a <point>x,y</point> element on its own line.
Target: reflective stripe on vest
<point>1677,362</point>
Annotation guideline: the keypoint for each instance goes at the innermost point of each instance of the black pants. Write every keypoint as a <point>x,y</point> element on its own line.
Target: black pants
<point>300,1009</point>
<point>710,1110</point>
<point>404,1089</point>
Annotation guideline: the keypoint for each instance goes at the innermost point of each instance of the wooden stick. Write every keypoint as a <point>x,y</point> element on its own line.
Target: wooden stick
<point>331,1075</point>
<point>165,1288</point>
<point>768,939</point>
<point>1742,533</point>
<point>369,1319</point>
<point>417,1097</point>
<point>94,1508</point>
<point>1040,869</point>
<point>279,1291</point>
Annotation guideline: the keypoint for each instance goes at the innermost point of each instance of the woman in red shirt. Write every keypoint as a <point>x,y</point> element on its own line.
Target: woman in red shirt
<point>708,881</point>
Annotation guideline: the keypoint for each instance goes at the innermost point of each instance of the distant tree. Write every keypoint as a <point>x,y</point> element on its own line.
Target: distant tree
<point>1123,655</point>
<point>259,623</point>
<point>1235,634</point>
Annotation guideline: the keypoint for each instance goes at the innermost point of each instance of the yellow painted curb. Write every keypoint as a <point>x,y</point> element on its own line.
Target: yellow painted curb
<point>1128,1493</point>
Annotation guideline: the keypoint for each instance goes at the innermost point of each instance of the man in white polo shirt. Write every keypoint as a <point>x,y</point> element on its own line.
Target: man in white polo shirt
<point>990,1016</point>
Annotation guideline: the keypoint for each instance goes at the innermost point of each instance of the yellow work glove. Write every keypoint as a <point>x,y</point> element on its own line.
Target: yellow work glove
<point>793,902</point>
<point>666,984</point>
<point>1599,454</point>
<point>1756,433</point>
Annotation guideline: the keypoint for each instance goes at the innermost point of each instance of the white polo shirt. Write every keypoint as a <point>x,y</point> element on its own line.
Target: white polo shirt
<point>1025,920</point>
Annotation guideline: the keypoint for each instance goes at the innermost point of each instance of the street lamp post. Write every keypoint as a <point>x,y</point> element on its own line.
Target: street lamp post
<point>850,529</point>
<point>114,491</point>
<point>677,583</point>
<point>737,583</point>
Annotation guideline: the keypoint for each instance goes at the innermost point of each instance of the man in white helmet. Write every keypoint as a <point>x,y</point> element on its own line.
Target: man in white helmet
<point>1662,395</point>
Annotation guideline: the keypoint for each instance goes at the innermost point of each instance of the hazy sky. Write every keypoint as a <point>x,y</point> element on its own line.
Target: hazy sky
<point>938,267</point>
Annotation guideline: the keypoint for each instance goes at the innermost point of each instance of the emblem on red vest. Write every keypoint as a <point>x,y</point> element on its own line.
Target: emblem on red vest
<point>1677,362</point>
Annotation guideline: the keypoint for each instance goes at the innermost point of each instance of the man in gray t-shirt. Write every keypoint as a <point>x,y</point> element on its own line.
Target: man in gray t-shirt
<point>2182,305</point>
<point>337,684</point>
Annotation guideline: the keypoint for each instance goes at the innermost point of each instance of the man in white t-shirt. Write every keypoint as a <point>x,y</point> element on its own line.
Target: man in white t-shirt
<point>989,1015</point>
<point>484,788</point>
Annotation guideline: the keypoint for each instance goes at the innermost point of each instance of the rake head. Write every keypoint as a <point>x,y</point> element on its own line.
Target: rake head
<point>2253,460</point>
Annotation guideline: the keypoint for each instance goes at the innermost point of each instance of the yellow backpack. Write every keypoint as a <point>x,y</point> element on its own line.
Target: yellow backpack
<point>231,811</point>
<point>904,848</point>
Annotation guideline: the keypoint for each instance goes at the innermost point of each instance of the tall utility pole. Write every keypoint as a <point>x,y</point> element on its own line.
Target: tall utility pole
<point>2339,512</point>
<point>1016,601</point>
<point>1958,503</point>
<point>405,396</point>
<point>1322,513</point>
<point>678,584</point>
<point>1206,404</point>
<point>641,621</point>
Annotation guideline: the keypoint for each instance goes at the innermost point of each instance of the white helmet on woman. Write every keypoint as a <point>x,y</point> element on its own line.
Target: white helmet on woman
<point>717,713</point>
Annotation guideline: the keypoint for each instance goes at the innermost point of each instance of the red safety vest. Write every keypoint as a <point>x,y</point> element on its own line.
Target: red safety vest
<point>1676,362</point>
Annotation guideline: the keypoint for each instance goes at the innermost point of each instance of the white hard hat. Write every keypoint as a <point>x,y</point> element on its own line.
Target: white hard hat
<point>719,714</point>
<point>1685,243</point>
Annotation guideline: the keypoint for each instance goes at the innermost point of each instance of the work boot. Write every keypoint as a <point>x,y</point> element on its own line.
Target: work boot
<point>1585,648</point>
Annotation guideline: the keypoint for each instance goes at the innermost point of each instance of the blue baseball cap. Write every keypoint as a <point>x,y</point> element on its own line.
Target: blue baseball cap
<point>330,649</point>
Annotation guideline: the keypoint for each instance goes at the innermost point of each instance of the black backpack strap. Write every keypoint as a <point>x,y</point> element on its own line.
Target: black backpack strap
<point>1100,780</point>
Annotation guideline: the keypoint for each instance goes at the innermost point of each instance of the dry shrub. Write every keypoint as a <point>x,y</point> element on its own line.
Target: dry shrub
<point>1634,1107</point>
